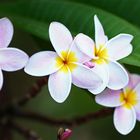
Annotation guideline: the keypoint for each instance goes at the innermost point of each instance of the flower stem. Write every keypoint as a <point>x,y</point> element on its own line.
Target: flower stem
<point>66,122</point>
<point>27,133</point>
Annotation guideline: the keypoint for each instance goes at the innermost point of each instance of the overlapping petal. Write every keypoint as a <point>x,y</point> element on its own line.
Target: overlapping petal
<point>119,45</point>
<point>12,59</point>
<point>79,55</point>
<point>42,64</point>
<point>124,119</point>
<point>102,71</point>
<point>118,77</point>
<point>137,109</point>
<point>6,32</point>
<point>137,91</point>
<point>100,37</point>
<point>85,44</point>
<point>134,80</point>
<point>60,37</point>
<point>84,77</point>
<point>109,98</point>
<point>59,84</point>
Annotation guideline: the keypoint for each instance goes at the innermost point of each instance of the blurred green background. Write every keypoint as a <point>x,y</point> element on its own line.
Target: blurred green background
<point>31,19</point>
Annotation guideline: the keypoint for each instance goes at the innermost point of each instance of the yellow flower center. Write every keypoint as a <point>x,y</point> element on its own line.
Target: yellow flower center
<point>129,98</point>
<point>67,62</point>
<point>101,55</point>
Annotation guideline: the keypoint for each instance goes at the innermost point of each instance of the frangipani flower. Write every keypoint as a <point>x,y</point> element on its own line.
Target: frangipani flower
<point>11,59</point>
<point>126,102</point>
<point>104,55</point>
<point>64,66</point>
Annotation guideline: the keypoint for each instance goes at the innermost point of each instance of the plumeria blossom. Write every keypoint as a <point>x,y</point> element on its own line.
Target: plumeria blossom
<point>126,102</point>
<point>11,59</point>
<point>104,54</point>
<point>65,66</point>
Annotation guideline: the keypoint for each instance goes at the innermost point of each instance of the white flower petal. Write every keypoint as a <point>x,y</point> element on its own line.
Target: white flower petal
<point>118,77</point>
<point>6,32</point>
<point>12,59</point>
<point>84,77</point>
<point>102,71</point>
<point>1,79</point>
<point>42,64</point>
<point>124,119</point>
<point>59,84</point>
<point>60,37</point>
<point>79,55</point>
<point>109,98</point>
<point>100,37</point>
<point>85,44</point>
<point>119,45</point>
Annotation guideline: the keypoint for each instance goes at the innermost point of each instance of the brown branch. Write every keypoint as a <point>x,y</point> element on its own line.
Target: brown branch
<point>28,134</point>
<point>33,91</point>
<point>68,122</point>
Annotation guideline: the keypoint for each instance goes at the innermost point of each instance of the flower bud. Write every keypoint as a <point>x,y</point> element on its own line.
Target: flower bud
<point>64,134</point>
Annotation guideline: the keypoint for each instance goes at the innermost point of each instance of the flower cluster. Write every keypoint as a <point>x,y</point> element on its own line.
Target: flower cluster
<point>86,64</point>
<point>65,66</point>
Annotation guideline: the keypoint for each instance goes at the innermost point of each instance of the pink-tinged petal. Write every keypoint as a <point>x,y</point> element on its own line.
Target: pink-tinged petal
<point>134,80</point>
<point>118,77</point>
<point>60,37</point>
<point>59,84</point>
<point>1,79</point>
<point>124,119</point>
<point>6,32</point>
<point>120,44</point>
<point>102,71</point>
<point>89,64</point>
<point>79,55</point>
<point>42,64</point>
<point>12,59</point>
<point>85,44</point>
<point>109,98</point>
<point>137,109</point>
<point>100,37</point>
<point>138,116</point>
<point>84,77</point>
<point>137,90</point>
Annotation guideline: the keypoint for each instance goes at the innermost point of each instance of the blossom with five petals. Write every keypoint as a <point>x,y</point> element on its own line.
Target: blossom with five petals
<point>127,103</point>
<point>65,66</point>
<point>104,55</point>
<point>11,59</point>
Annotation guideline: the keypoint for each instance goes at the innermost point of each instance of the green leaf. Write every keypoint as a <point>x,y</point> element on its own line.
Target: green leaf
<point>127,9</point>
<point>35,16</point>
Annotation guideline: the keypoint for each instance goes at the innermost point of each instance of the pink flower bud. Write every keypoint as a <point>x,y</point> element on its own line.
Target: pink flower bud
<point>67,133</point>
<point>89,64</point>
<point>64,134</point>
